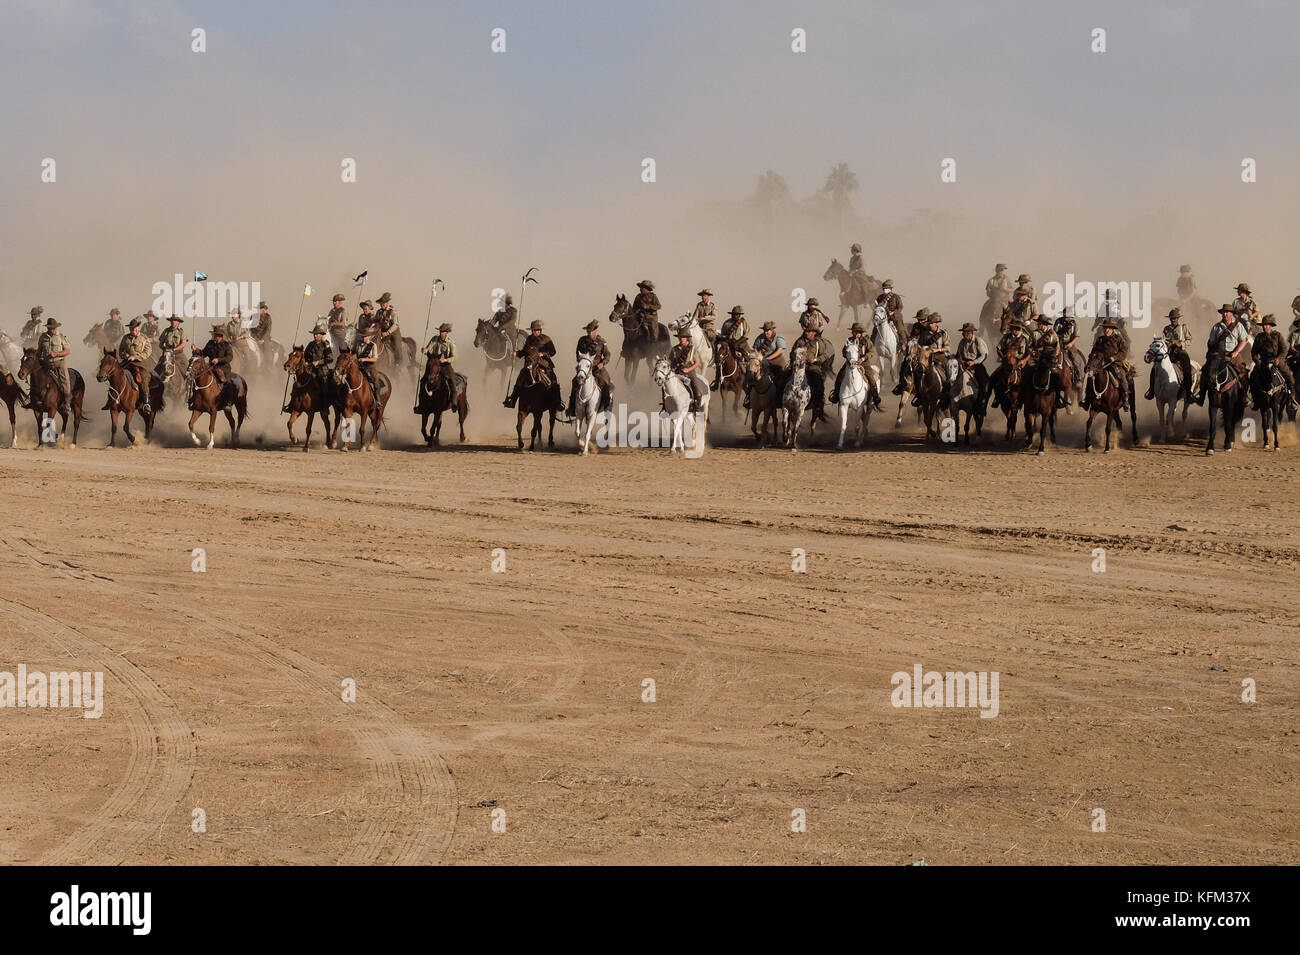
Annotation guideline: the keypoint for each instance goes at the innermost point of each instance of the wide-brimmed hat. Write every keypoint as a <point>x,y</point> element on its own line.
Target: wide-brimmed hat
<point>536,325</point>
<point>366,304</point>
<point>320,329</point>
<point>1000,267</point>
<point>175,318</point>
<point>1243,287</point>
<point>1110,323</point>
<point>1268,320</point>
<point>1021,290</point>
<point>737,310</point>
<point>52,323</point>
<point>134,323</point>
<point>338,297</point>
<point>705,291</point>
<point>149,314</point>
<point>922,312</point>
<point>114,311</point>
<point>968,327</point>
<point>509,300</point>
<point>857,327</point>
<point>38,310</point>
<point>934,318</point>
<point>445,327</point>
<point>1175,312</point>
<point>1227,309</point>
<point>594,323</point>
<point>1022,278</point>
<point>1184,268</point>
<point>262,305</point>
<point>856,247</point>
<point>219,329</point>
<point>769,326</point>
<point>888,283</point>
<point>1043,320</point>
<point>646,284</point>
<point>385,298</point>
<point>812,303</point>
<point>1015,323</point>
<point>683,332</point>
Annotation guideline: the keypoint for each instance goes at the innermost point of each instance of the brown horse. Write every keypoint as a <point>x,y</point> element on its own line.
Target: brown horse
<point>124,396</point>
<point>1009,390</point>
<point>497,347</point>
<point>730,376</point>
<point>393,357</point>
<point>309,395</point>
<point>354,397</point>
<point>437,392</point>
<point>637,346</point>
<point>208,396</point>
<point>852,296</point>
<point>764,399</point>
<point>1104,396</point>
<point>535,398</point>
<point>44,395</point>
<point>96,338</point>
<point>931,389</point>
<point>10,392</point>
<point>1038,400</point>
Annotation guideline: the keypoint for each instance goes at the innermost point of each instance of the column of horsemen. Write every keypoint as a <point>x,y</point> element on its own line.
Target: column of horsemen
<point>1028,338</point>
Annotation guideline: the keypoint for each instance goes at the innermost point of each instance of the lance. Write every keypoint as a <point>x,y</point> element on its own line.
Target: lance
<point>433,290</point>
<point>514,346</point>
<point>306,290</point>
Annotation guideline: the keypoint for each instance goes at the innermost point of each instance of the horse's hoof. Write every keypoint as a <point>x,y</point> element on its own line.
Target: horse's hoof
<point>1209,452</point>
<point>1040,454</point>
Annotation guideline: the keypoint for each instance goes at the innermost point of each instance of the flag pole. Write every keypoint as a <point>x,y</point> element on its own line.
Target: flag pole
<point>296,328</point>
<point>514,346</point>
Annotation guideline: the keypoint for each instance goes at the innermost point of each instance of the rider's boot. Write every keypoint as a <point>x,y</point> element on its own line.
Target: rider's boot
<point>24,398</point>
<point>1151,387</point>
<point>746,404</point>
<point>511,399</point>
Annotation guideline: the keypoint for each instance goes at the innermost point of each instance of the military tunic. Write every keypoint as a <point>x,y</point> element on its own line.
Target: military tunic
<point>1186,285</point>
<point>1015,339</point>
<point>972,352</point>
<point>170,340</point>
<point>542,344</point>
<point>1176,336</point>
<point>440,347</point>
<point>813,318</point>
<point>113,329</point>
<point>262,330</point>
<point>135,349</point>
<point>705,315</point>
<point>220,354</point>
<point>646,305</point>
<point>50,343</point>
<point>319,355</point>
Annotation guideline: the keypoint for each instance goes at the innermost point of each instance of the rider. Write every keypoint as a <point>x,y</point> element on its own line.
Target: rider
<point>812,349</point>
<point>170,342</point>
<point>999,288</point>
<point>367,317</point>
<point>443,348</point>
<point>1114,350</point>
<point>1067,330</point>
<point>893,307</point>
<point>113,330</point>
<point>1186,284</point>
<point>503,320</point>
<point>367,356</point>
<point>219,353</point>
<point>1177,336</point>
<point>1023,282</point>
<point>32,330</point>
<point>1109,308</point>
<point>1227,340</point>
<point>934,343</point>
<point>971,352</point>
<point>150,327</point>
<point>1013,349</point>
<point>646,307</point>
<point>1020,308</point>
<point>1244,306</point>
<point>1269,349</point>
<point>338,316</point>
<point>685,361</point>
<point>52,350</point>
<point>735,332</point>
<point>705,313</point>
<point>592,346</point>
<point>1047,344</point>
<point>262,330</point>
<point>813,317</point>
<point>771,347</point>
<point>866,353</point>
<point>388,329</point>
<point>318,356</point>
<point>133,353</point>
<point>541,345</point>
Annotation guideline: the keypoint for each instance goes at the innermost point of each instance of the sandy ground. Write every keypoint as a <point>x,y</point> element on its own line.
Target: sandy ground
<point>522,691</point>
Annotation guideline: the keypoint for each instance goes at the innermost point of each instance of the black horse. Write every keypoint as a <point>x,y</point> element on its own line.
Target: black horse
<point>637,346</point>
<point>437,392</point>
<point>1271,396</point>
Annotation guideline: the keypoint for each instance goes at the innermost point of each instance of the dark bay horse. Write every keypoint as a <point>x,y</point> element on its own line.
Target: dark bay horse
<point>124,396</point>
<point>309,395</point>
<point>10,391</point>
<point>208,396</point>
<point>931,388</point>
<point>731,376</point>
<point>1104,396</point>
<point>44,395</point>
<point>637,346</point>
<point>1225,392</point>
<point>438,392</point>
<point>764,399</point>
<point>1038,400</point>
<point>1011,380</point>
<point>852,295</point>
<point>1269,393</point>
<point>497,347</point>
<point>354,397</point>
<point>535,399</point>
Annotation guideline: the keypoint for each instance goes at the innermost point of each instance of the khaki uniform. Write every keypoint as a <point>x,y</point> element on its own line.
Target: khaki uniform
<point>646,306</point>
<point>813,318</point>
<point>440,347</point>
<point>1186,285</point>
<point>814,354</point>
<point>262,330</point>
<point>505,320</point>
<point>1269,348</point>
<point>319,355</point>
<point>681,357</point>
<point>113,329</point>
<point>1247,312</point>
<point>337,318</point>
<point>598,351</point>
<point>368,350</point>
<point>735,331</point>
<point>706,315</point>
<point>541,344</point>
<point>769,347</point>
<point>858,273</point>
<point>51,342</point>
<point>134,353</point>
<point>220,355</point>
<point>170,340</point>
<point>1017,339</point>
<point>999,288</point>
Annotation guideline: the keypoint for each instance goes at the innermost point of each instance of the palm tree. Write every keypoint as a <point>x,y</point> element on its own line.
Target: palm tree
<point>771,194</point>
<point>839,188</point>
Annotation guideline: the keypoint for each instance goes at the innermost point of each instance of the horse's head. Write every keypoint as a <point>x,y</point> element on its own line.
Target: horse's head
<point>296,362</point>
<point>481,332</point>
<point>108,364</point>
<point>28,363</point>
<point>621,305</point>
<point>433,369</point>
<point>832,271</point>
<point>851,351</point>
<point>583,371</point>
<point>94,335</point>
<point>1158,350</point>
<point>661,372</point>
<point>346,363</point>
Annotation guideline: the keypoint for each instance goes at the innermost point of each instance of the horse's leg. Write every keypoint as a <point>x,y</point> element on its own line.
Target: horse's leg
<point>293,416</point>
<point>306,441</point>
<point>550,435</point>
<point>126,424</point>
<point>462,412</point>
<point>13,427</point>
<point>519,427</point>
<point>424,429</point>
<point>361,430</point>
<point>844,425</point>
<point>193,418</point>
<point>1109,418</point>
<point>230,421</point>
<point>112,434</point>
<point>212,428</point>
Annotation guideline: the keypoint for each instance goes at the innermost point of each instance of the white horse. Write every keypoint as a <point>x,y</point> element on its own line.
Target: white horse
<point>586,406</point>
<point>885,339</point>
<point>677,406</point>
<point>701,343</point>
<point>1167,387</point>
<point>11,353</point>
<point>795,400</point>
<point>855,396</point>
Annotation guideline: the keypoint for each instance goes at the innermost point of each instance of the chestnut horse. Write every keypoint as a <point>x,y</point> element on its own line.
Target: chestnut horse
<point>438,392</point>
<point>354,397</point>
<point>1106,397</point>
<point>45,395</point>
<point>124,396</point>
<point>309,395</point>
<point>10,391</point>
<point>208,396</point>
<point>730,376</point>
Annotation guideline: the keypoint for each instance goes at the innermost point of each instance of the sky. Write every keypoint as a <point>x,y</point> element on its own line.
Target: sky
<point>473,166</point>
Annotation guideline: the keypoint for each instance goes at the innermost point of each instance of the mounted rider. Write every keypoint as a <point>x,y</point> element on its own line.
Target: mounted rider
<point>32,330</point>
<point>1013,352</point>
<point>812,317</point>
<point>366,318</point>
<point>971,353</point>
<point>735,332</point>
<point>367,353</point>
<point>893,303</point>
<point>170,343</point>
<point>706,313</point>
<point>687,362</point>
<point>113,330</point>
<point>934,350</point>
<point>133,353</point>
<point>1177,336</point>
<point>1019,309</point>
<point>1067,330</point>
<point>1245,307</point>
<point>771,348</point>
<point>1024,281</point>
<point>1045,344</point>
<point>1226,343</point>
<point>318,356</point>
<point>592,346</point>
<point>646,308</point>
<point>504,320</point>
<point>442,348</point>
<point>999,288</point>
<point>1186,284</point>
<point>52,351</point>
<point>1269,349</point>
<point>1113,350</point>
<point>219,353</point>
<point>261,331</point>
<point>811,349</point>
<point>858,271</point>
<point>150,328</point>
<point>866,354</point>
<point>536,345</point>
<point>389,332</point>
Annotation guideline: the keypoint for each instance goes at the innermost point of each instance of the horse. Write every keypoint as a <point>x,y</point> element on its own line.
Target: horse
<point>1225,393</point>
<point>124,396</point>
<point>498,349</point>
<point>1009,391</point>
<point>963,396</point>
<point>10,392</point>
<point>353,396</point>
<point>343,336</point>
<point>991,313</point>
<point>1071,379</point>
<point>535,399</point>
<point>1271,397</point>
<point>730,376</point>
<point>930,388</point>
<point>11,353</point>
<point>1038,401</point>
<point>438,392</point>
<point>906,382</point>
<point>309,396</point>
<point>764,399</point>
<point>1106,396</point>
<point>852,295</point>
<point>208,396</point>
<point>795,398</point>
<point>173,382</point>
<point>587,405</point>
<point>855,396</point>
<point>700,342</point>
<point>885,339</point>
<point>1168,387</point>
<point>44,395</point>
<point>394,356</point>
<point>98,338</point>
<point>637,346</point>
<point>677,405</point>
